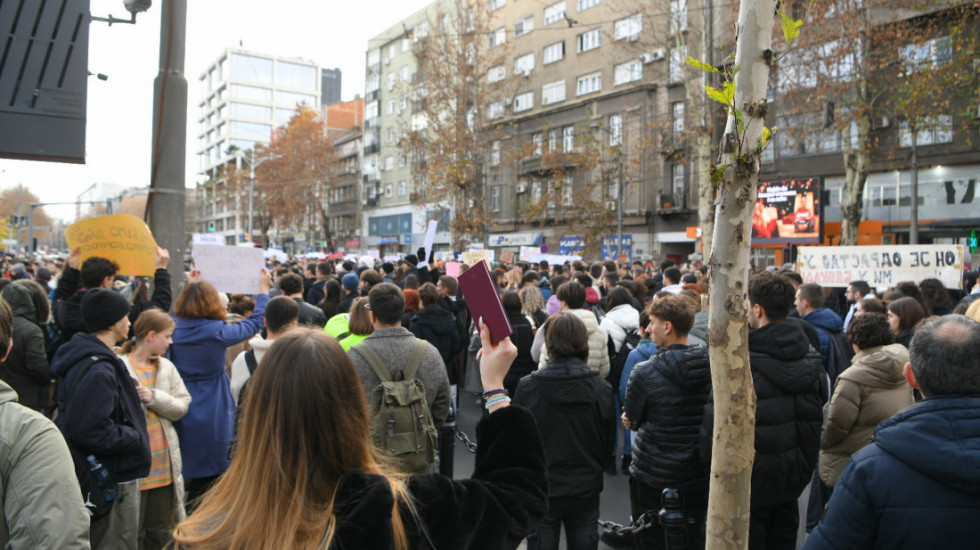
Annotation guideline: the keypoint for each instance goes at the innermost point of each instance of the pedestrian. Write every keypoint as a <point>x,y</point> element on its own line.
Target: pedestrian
<point>573,408</point>
<point>165,401</point>
<point>291,286</point>
<point>26,369</point>
<point>198,349</point>
<point>281,314</point>
<point>438,327</point>
<point>572,299</point>
<point>351,328</point>
<point>522,337</point>
<point>904,314</point>
<point>305,476</point>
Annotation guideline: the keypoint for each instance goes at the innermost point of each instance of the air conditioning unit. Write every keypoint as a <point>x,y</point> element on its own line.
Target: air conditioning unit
<point>506,101</point>
<point>522,188</point>
<point>656,55</point>
<point>611,206</point>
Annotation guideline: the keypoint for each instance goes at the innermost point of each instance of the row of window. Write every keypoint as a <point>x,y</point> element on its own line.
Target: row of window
<point>627,28</point>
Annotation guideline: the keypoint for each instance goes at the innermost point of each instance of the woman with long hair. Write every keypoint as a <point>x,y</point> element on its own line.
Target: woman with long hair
<point>532,306</point>
<point>331,298</point>
<point>522,337</point>
<point>165,400</point>
<point>904,315</point>
<point>198,350</point>
<point>413,304</point>
<point>306,474</point>
<point>351,328</point>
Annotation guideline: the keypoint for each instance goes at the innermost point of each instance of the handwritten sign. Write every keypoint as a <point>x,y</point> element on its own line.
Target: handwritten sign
<point>209,238</point>
<point>122,238</point>
<point>881,266</point>
<point>231,269</point>
<point>471,257</point>
<point>506,256</point>
<point>452,269</point>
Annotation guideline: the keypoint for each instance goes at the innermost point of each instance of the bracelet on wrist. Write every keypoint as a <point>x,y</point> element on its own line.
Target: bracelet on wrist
<point>496,401</point>
<point>490,393</point>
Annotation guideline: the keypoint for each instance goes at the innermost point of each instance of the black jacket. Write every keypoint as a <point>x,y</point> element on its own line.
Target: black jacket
<point>104,416</point>
<point>523,364</point>
<point>665,402</point>
<point>26,368</point>
<point>438,327</point>
<point>347,301</point>
<point>494,509</point>
<point>68,300</point>
<point>790,388</point>
<point>316,293</point>
<point>573,407</point>
<point>310,315</point>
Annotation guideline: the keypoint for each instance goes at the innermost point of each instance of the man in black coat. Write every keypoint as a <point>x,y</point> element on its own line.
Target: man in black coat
<point>438,327</point>
<point>291,286</point>
<point>791,388</point>
<point>665,402</point>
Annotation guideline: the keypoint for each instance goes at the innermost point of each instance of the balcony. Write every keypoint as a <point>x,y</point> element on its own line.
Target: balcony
<point>671,203</point>
<point>371,149</point>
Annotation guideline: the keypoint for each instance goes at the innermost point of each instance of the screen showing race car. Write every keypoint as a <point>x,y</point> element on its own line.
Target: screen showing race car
<point>788,212</point>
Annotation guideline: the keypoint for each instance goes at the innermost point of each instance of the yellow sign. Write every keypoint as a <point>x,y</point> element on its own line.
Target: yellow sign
<point>471,257</point>
<point>122,238</point>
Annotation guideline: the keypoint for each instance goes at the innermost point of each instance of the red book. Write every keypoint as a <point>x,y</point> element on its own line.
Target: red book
<point>483,301</point>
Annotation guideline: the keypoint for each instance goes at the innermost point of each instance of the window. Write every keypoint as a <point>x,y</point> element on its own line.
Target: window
<point>421,31</point>
<point>372,83</point>
<point>536,191</point>
<point>250,68</point>
<point>589,83</point>
<point>391,81</point>
<point>405,74</point>
<point>628,28</point>
<point>495,198</point>
<point>403,103</point>
<point>373,57</point>
<point>498,37</point>
<point>391,52</point>
<point>495,110</point>
<point>568,139</point>
<point>496,74</point>
<point>390,136</point>
<point>931,131</point>
<point>538,141</point>
<point>628,72</point>
<point>246,110</point>
<point>390,107</point>
<point>930,54</point>
<point>586,4</point>
<point>388,191</point>
<point>294,75</point>
<point>589,40</point>
<point>389,162</point>
<point>552,140</point>
<point>494,153</point>
<point>554,13</point>
<point>677,61</point>
<point>523,102</point>
<point>402,188</point>
<point>615,130</point>
<point>553,93</point>
<point>524,64</point>
<point>677,179</point>
<point>497,4</point>
<point>677,113</point>
<point>251,129</point>
<point>523,26</point>
<point>567,190</point>
<point>554,52</point>
<point>402,161</point>
<point>371,110</point>
<point>293,98</point>
<point>239,91</point>
<point>678,16</point>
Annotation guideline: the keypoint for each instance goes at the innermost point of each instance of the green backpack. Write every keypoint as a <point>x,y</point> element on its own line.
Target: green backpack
<point>400,421</point>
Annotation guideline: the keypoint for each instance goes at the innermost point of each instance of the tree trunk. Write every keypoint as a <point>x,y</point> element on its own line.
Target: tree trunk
<point>733,448</point>
<point>857,165</point>
<point>706,191</point>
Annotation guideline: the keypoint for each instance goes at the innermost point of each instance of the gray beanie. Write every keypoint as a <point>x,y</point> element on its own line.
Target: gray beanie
<point>101,308</point>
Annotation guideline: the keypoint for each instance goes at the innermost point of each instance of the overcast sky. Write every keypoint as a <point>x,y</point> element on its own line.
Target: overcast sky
<point>329,32</point>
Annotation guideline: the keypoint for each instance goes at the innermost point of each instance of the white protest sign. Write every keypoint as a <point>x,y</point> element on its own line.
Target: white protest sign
<point>471,257</point>
<point>430,238</point>
<point>209,238</point>
<point>881,266</point>
<point>230,269</point>
<point>533,254</point>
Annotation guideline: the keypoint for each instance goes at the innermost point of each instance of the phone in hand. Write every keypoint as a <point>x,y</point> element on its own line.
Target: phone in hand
<point>483,301</point>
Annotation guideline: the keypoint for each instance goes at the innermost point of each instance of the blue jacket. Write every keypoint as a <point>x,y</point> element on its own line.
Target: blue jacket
<point>198,352</point>
<point>916,486</point>
<point>104,416</point>
<point>643,352</point>
<point>826,322</point>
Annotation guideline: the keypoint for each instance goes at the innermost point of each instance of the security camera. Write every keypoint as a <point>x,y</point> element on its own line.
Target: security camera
<point>137,6</point>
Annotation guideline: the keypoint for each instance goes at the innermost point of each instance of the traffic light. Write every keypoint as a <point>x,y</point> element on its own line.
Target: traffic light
<point>973,241</point>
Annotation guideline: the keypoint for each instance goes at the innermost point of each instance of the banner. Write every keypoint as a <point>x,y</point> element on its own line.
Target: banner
<point>610,247</point>
<point>506,256</point>
<point>533,254</point>
<point>471,257</point>
<point>881,266</point>
<point>231,269</point>
<point>209,238</point>
<point>571,244</point>
<point>122,238</point>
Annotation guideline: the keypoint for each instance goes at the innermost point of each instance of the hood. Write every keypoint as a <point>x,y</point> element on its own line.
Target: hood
<point>260,344</point>
<point>936,437</point>
<point>560,382</point>
<point>796,365</point>
<point>80,346</point>
<point>825,319</point>
<point>588,318</point>
<point>21,301</point>
<point>625,316</point>
<point>685,366</point>
<point>435,311</point>
<point>7,394</point>
<point>879,367</point>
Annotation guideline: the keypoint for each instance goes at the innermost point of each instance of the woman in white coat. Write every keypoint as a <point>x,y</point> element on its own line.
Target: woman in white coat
<point>165,400</point>
<point>621,317</point>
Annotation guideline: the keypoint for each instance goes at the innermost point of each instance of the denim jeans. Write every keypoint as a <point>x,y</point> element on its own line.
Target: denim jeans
<point>581,530</point>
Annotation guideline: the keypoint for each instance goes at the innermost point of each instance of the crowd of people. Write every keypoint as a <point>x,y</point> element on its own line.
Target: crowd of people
<point>305,415</point>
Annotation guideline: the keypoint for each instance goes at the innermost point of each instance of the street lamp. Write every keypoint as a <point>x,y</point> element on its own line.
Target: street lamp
<point>253,163</point>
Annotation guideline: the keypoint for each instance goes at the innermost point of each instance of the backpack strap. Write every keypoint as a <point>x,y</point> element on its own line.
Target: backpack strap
<point>414,360</point>
<point>250,361</point>
<point>373,360</point>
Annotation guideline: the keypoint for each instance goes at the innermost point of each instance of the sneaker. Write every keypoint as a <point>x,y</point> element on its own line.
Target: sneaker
<point>625,540</point>
<point>627,460</point>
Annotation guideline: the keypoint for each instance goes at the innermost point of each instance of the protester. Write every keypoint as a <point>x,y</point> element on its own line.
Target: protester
<point>350,282</point>
<point>351,328</point>
<point>317,292</point>
<point>165,400</point>
<point>532,306</point>
<point>413,304</point>
<point>291,286</point>
<point>834,352</point>
<point>870,391</point>
<point>199,343</point>
<point>281,314</point>
<point>904,314</point>
<point>571,297</point>
<point>42,503</point>
<point>916,485</point>
<point>26,367</point>
<point>523,338</point>
<point>438,327</point>
<point>935,297</point>
<point>331,299</point>
<point>100,414</point>
<point>573,407</point>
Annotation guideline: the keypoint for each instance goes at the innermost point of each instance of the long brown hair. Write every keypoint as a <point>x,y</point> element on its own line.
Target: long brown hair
<point>151,320</point>
<point>200,301</point>
<point>302,430</point>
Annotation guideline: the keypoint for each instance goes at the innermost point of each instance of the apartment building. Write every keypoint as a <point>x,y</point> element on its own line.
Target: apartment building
<point>245,95</point>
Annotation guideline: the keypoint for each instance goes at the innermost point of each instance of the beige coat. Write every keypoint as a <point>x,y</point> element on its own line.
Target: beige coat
<point>598,350</point>
<point>170,402</point>
<point>868,392</point>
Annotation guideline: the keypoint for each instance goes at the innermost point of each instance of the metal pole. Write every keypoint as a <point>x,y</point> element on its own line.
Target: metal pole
<point>169,139</point>
<point>251,194</point>
<point>914,191</point>
<point>30,228</point>
<point>619,209</point>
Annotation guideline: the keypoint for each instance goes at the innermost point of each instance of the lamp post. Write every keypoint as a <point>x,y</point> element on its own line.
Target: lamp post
<point>253,163</point>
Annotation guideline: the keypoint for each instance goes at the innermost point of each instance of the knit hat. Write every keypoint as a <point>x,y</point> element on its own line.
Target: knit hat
<point>412,260</point>
<point>101,308</point>
<point>350,281</point>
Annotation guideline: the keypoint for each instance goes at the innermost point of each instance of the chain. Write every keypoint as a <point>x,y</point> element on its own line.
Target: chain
<point>645,521</point>
<point>461,435</point>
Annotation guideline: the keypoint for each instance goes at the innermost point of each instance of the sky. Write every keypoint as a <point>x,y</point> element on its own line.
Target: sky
<point>331,33</point>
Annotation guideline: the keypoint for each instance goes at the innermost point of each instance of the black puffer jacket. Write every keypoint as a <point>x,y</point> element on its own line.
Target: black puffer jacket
<point>665,401</point>
<point>790,388</point>
<point>438,327</point>
<point>574,410</point>
<point>522,337</point>
<point>26,368</point>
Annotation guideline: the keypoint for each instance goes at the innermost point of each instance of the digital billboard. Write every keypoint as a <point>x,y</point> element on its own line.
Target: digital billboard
<point>788,212</point>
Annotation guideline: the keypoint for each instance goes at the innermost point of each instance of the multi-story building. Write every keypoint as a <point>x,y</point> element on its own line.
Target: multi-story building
<point>244,96</point>
<point>344,126</point>
<point>330,85</point>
